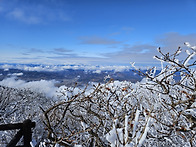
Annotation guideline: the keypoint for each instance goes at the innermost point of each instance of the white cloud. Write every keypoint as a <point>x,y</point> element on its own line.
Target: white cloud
<point>97,71</point>
<point>53,68</point>
<point>12,82</point>
<point>97,40</point>
<point>35,12</point>
<point>143,53</point>
<point>127,29</point>
<point>35,50</point>
<point>16,74</point>
<point>42,86</point>
<point>21,15</point>
<point>6,67</point>
<point>140,53</point>
<point>62,50</point>
<point>126,53</point>
<point>172,40</point>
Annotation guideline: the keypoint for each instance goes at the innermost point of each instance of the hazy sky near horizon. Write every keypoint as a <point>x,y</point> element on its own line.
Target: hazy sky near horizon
<point>93,31</point>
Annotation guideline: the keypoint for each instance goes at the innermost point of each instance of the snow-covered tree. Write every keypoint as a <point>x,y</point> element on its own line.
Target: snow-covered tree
<point>158,111</point>
<point>17,105</point>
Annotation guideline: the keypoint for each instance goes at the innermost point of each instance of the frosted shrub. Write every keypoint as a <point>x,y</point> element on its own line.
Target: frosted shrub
<point>171,99</point>
<point>158,111</point>
<point>17,105</point>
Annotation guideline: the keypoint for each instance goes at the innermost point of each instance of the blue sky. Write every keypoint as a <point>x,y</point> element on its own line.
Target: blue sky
<point>101,32</point>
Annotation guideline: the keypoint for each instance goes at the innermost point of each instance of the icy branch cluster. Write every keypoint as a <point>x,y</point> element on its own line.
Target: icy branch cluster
<point>158,111</point>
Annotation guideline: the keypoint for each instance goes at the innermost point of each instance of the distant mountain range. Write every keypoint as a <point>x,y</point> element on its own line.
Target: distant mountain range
<point>70,77</point>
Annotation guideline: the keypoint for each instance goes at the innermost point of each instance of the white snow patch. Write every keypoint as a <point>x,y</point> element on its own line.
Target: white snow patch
<point>16,74</point>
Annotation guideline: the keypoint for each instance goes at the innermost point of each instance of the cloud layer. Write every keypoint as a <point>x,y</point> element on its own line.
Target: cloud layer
<point>123,53</point>
<point>32,12</point>
<point>53,68</point>
<point>96,40</point>
<point>42,86</point>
